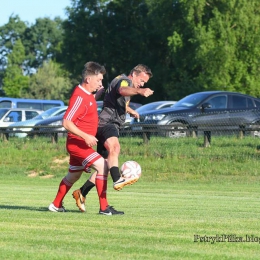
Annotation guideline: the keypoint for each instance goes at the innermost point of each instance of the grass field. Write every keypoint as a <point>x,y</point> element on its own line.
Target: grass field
<point>185,213</point>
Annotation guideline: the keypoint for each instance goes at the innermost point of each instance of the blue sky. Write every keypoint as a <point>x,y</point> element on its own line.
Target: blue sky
<point>29,10</point>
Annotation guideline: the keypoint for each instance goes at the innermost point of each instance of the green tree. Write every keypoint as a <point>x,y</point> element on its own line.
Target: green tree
<point>159,26</point>
<point>42,41</point>
<point>50,82</point>
<point>9,34</point>
<point>14,82</point>
<point>109,32</point>
<point>216,45</point>
<point>120,34</point>
<point>84,36</point>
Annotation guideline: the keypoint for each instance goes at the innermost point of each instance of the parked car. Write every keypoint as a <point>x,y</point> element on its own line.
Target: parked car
<point>100,106</point>
<point>210,110</point>
<point>54,111</point>
<point>40,104</point>
<point>9,116</point>
<point>151,106</point>
<point>155,106</point>
<point>39,128</point>
<point>57,121</point>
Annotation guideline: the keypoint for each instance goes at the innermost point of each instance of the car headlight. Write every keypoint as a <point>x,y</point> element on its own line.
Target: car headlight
<point>57,123</point>
<point>22,129</point>
<point>154,117</point>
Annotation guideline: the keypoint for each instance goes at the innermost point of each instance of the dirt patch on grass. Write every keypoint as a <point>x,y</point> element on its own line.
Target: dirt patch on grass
<point>61,161</point>
<point>33,174</point>
<point>47,176</point>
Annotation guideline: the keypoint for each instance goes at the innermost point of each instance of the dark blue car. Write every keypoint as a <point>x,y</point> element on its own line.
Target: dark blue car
<point>210,110</point>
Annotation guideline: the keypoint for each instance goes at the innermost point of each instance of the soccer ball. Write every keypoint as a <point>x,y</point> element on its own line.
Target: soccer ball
<point>131,169</point>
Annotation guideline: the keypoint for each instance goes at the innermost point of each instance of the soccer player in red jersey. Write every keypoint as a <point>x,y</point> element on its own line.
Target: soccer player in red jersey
<point>81,121</point>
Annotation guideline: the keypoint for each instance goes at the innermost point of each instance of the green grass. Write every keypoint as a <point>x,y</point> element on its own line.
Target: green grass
<point>163,159</point>
<point>185,190</point>
<point>160,222</point>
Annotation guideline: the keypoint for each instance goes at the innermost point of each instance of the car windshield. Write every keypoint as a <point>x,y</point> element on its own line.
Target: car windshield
<point>46,113</point>
<point>2,112</point>
<point>150,106</point>
<point>134,105</point>
<point>191,100</point>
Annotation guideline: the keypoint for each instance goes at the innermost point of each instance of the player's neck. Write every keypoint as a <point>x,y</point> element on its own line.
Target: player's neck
<point>85,87</point>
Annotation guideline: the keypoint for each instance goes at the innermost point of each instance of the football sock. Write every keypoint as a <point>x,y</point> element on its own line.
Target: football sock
<point>101,186</point>
<point>86,187</point>
<point>62,191</point>
<point>115,174</point>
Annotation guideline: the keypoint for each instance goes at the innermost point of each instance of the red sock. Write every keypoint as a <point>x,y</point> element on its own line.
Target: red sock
<point>101,186</point>
<point>63,190</point>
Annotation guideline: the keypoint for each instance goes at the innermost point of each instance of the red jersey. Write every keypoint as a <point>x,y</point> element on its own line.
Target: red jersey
<point>82,111</point>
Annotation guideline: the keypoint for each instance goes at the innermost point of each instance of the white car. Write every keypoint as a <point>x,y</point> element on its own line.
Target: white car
<point>27,125</point>
<point>9,116</point>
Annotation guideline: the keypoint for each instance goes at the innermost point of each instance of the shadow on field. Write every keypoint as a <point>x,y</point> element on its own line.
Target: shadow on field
<point>8,207</point>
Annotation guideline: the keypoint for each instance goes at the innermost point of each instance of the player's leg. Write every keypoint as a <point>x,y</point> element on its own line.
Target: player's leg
<point>64,186</point>
<point>75,170</point>
<point>80,194</point>
<point>109,146</point>
<point>90,158</point>
<point>100,166</point>
<point>90,183</point>
<point>113,147</point>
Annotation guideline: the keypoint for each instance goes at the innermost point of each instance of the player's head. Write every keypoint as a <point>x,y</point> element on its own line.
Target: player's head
<point>92,75</point>
<point>92,68</point>
<point>140,75</point>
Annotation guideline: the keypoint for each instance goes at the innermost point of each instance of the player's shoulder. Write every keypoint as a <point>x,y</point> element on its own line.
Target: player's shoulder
<point>123,81</point>
<point>77,90</point>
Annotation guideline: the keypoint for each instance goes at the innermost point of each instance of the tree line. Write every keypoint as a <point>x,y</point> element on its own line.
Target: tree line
<point>190,45</point>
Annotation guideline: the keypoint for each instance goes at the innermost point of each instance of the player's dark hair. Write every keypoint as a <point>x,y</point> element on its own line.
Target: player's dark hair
<point>92,68</point>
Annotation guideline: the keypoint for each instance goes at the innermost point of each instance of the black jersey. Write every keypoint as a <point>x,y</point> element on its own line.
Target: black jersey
<point>114,106</point>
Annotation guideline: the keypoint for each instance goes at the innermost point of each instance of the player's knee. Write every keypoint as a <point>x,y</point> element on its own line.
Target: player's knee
<point>72,177</point>
<point>114,153</point>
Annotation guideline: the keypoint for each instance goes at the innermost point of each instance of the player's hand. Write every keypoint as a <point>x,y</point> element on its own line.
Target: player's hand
<point>99,92</point>
<point>146,92</point>
<point>134,114</point>
<point>90,140</point>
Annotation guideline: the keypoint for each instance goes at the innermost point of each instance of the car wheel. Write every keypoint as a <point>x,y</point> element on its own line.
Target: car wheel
<point>177,130</point>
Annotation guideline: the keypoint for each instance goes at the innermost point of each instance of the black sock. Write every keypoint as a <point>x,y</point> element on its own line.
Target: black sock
<point>87,186</point>
<point>115,174</point>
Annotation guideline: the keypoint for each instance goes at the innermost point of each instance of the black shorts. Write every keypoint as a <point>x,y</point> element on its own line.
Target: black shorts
<point>103,133</point>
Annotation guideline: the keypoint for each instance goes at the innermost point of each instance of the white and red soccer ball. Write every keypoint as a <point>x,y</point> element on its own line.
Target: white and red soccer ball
<point>131,169</point>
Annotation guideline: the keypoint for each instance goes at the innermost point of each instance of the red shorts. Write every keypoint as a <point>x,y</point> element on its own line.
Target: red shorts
<point>81,156</point>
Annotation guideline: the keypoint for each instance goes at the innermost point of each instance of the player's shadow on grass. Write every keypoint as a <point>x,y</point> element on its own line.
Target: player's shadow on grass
<point>14,207</point>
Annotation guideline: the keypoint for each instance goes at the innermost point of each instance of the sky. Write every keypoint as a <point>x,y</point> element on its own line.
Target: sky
<point>30,10</point>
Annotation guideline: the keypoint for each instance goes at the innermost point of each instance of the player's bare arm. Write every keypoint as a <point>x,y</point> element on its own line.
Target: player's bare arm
<point>71,127</point>
<point>127,91</point>
<point>132,112</point>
